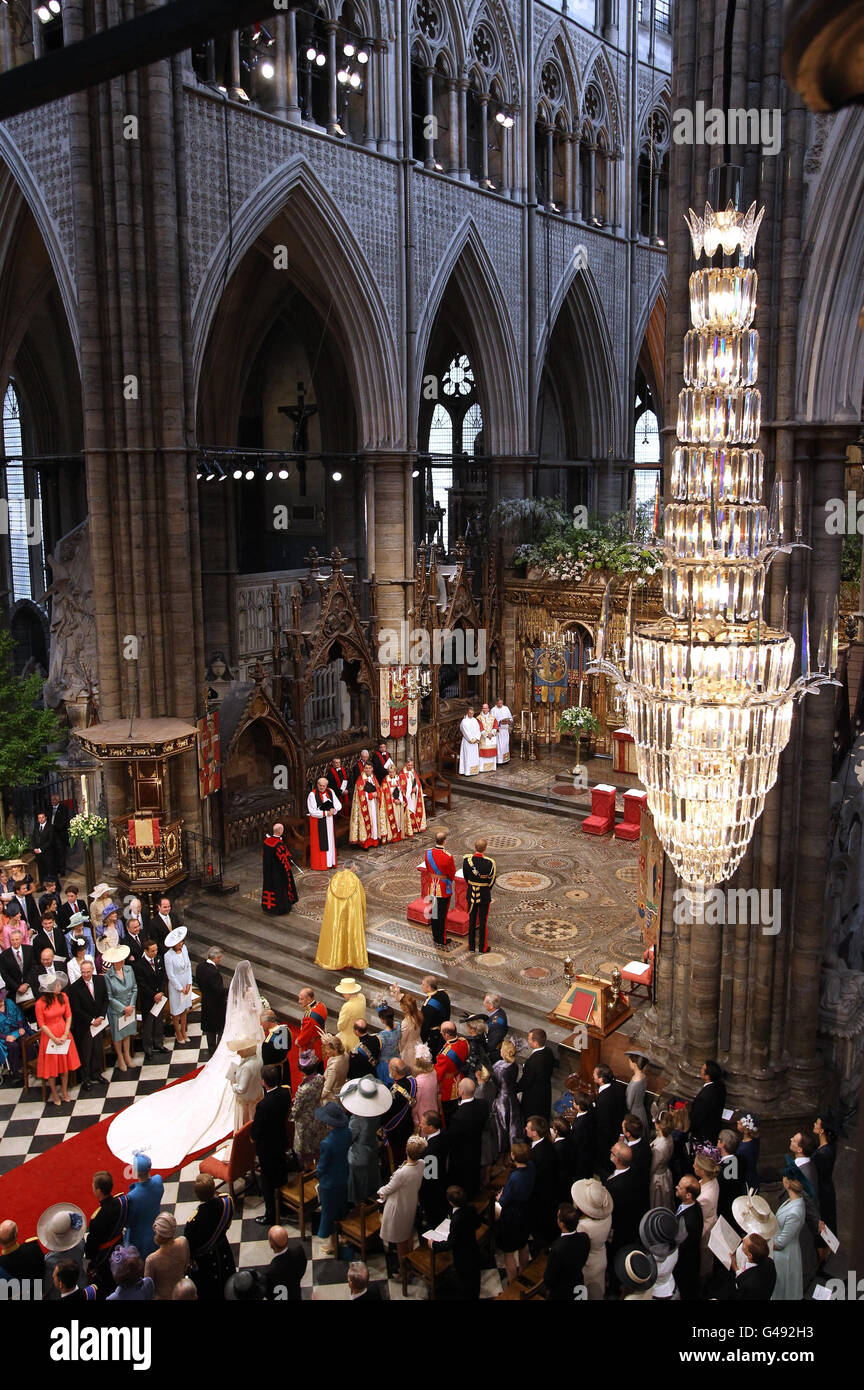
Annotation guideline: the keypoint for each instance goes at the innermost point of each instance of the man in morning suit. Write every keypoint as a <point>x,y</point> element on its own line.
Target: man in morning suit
<point>465,1139</point>
<point>730,1179</point>
<point>58,819</point>
<point>134,937</point>
<point>70,906</point>
<point>25,897</point>
<point>535,1085</point>
<point>433,1189</point>
<point>442,870</point>
<point>755,1280</point>
<point>567,1256</point>
<point>19,966</point>
<point>88,1000</point>
<point>214,997</point>
<point>358,1284</point>
<point>689,1215</point>
<point>580,1140</point>
<point>162,922</point>
<point>287,1267</point>
<point>543,1206</point>
<point>45,847</point>
<point>50,937</point>
<point>706,1108</point>
<point>640,1152</point>
<point>276,1046</point>
<point>610,1107</point>
<point>270,1137</point>
<point>152,988</point>
<point>435,1010</point>
<point>479,872</point>
<point>462,1244</point>
<point>628,1206</point>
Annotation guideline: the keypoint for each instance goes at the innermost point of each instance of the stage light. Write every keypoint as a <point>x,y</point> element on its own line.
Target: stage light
<point>416,473</point>
<point>237,474</point>
<point>311,54</point>
<point>337,477</point>
<point>354,80</point>
<point>348,50</point>
<point>342,76</point>
<point>283,473</point>
<point>44,14</point>
<point>362,56</point>
<point>54,6</point>
<point>250,474</point>
<point>267,71</point>
<point>321,59</point>
<point>211,473</point>
<point>220,471</point>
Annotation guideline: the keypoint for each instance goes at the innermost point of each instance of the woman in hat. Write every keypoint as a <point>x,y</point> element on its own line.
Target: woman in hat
<point>77,953</point>
<point>308,1132</point>
<point>61,1230</point>
<point>787,1244</point>
<point>661,1235</point>
<point>122,996</point>
<point>336,1063</point>
<point>401,1195</point>
<point>79,927</point>
<point>178,969</point>
<point>426,1081</point>
<point>353,1008</point>
<point>636,1087</point>
<point>244,1073</point>
<point>594,1201</point>
<point>170,1260</point>
<point>637,1272</point>
<point>54,1017</point>
<point>332,1171</point>
<point>662,1148</point>
<point>706,1168</point>
<point>366,1100</point>
<point>748,1150</point>
<point>13,1029</point>
<point>112,923</point>
<point>478,1050</point>
<point>127,1271</point>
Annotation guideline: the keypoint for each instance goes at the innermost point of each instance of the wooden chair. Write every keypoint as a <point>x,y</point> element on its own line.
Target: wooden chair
<point>359,1227</point>
<point>437,791</point>
<point>300,1195</point>
<point>296,837</point>
<point>241,1160</point>
<point>29,1057</point>
<point>428,1265</point>
<point>640,975</point>
<point>529,1283</point>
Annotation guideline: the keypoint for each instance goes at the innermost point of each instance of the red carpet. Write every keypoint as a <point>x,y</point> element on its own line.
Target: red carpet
<point>65,1172</point>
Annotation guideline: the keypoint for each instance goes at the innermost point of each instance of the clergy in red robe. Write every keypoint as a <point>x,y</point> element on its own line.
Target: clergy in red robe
<point>322,805</point>
<point>393,814</point>
<point>337,780</point>
<point>278,889</point>
<point>414,803</point>
<point>365,809</point>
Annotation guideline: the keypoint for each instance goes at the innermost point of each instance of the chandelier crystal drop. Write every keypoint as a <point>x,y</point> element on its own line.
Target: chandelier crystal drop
<point>709,688</point>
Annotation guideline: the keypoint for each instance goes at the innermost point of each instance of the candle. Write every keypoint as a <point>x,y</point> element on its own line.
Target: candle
<point>84,795</point>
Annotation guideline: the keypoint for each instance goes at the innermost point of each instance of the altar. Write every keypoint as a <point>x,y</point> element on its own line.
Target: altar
<point>457,917</point>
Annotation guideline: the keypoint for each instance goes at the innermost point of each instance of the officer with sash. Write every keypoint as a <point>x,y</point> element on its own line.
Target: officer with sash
<point>479,874</point>
<point>442,868</point>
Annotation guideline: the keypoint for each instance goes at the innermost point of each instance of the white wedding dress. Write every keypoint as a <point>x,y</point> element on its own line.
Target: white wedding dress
<point>196,1114</point>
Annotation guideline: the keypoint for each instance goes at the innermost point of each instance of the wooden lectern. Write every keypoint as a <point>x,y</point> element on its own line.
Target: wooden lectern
<point>589,1002</point>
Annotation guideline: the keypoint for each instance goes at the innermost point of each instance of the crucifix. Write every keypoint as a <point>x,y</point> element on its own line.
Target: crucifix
<point>301,413</point>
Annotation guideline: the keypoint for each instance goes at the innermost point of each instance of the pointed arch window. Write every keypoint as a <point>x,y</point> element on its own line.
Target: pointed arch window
<point>24,511</point>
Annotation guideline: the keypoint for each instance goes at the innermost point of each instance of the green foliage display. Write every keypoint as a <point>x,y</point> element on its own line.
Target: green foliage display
<point>565,551</point>
<point>25,727</point>
<point>579,720</point>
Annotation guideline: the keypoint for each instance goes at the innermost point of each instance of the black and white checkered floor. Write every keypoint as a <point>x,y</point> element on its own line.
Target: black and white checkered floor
<point>29,1127</point>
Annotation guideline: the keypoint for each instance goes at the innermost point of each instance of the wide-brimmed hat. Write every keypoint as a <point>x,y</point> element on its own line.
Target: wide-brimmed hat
<point>639,1057</point>
<point>242,1044</point>
<point>592,1198</point>
<point>754,1216</point>
<point>365,1096</point>
<point>332,1115</point>
<point>660,1232</point>
<point>52,984</point>
<point>636,1268</point>
<point>348,985</point>
<point>100,890</point>
<point>115,954</point>
<point>246,1286</point>
<point>78,919</point>
<point>61,1226</point>
<point>176,936</point>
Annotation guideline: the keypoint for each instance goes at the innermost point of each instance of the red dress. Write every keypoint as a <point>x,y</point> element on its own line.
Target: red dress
<point>55,1015</point>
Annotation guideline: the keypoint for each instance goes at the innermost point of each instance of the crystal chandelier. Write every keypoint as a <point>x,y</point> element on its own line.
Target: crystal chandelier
<point>708,688</point>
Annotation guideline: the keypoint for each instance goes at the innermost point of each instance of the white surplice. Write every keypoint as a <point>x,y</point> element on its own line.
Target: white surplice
<point>503,733</point>
<point>469,753</point>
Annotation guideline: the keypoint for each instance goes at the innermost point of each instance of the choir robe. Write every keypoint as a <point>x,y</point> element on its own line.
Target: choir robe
<point>363,828</point>
<point>502,734</point>
<point>469,755</point>
<point>322,856</point>
<point>414,801</point>
<point>488,742</point>
<point>278,889</point>
<point>395,822</point>
<point>337,778</point>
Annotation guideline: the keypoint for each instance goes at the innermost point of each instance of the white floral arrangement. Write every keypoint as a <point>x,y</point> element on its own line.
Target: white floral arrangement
<point>87,828</point>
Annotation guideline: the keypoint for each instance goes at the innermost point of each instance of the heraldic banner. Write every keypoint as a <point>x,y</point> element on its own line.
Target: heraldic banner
<point>649,894</point>
<point>209,755</point>
<point>398,714</point>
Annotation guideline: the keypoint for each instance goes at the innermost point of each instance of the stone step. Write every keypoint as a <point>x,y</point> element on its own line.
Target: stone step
<point>524,800</point>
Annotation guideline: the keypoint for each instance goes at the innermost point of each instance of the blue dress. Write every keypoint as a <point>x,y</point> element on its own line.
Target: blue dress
<point>332,1174</point>
<point>514,1225</point>
<point>748,1157</point>
<point>145,1199</point>
<point>364,1176</point>
<point>11,1019</point>
<point>390,1039</point>
<point>121,992</point>
<point>787,1252</point>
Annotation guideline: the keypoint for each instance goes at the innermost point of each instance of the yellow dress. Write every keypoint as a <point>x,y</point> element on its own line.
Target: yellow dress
<point>353,1008</point>
<point>342,943</point>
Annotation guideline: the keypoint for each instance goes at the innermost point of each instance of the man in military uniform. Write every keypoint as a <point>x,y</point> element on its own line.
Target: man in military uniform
<point>450,1065</point>
<point>276,1046</point>
<point>314,1022</point>
<point>479,874</point>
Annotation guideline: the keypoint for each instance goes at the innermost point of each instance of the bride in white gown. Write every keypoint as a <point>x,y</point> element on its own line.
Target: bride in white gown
<point>195,1114</point>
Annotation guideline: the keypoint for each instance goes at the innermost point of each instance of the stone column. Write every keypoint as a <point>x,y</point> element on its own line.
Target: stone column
<point>333,86</point>
<point>462,85</point>
<point>568,175</point>
<point>370,134</point>
<point>484,139</point>
<point>429,75</point>
<point>391,523</point>
<point>281,63</point>
<point>453,99</point>
<point>577,179</point>
<point>550,164</point>
<point>592,183</point>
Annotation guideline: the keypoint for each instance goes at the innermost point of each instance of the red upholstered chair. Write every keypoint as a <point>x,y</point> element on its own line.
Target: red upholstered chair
<point>628,828</point>
<point>241,1160</point>
<point>640,975</point>
<point>602,817</point>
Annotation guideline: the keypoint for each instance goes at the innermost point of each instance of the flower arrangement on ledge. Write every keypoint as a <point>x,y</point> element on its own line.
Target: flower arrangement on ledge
<point>14,846</point>
<point>87,828</point>
<point>568,546</point>
<point>578,721</point>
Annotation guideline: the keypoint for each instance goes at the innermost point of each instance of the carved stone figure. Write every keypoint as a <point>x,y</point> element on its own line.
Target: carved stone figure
<point>73,661</point>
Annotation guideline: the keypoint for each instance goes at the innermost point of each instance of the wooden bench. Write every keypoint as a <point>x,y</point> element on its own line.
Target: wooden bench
<point>360,1226</point>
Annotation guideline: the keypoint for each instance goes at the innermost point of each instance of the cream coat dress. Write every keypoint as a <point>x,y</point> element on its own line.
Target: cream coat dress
<point>594,1270</point>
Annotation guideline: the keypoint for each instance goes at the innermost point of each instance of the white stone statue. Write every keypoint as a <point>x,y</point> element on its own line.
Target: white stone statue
<point>72,663</point>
